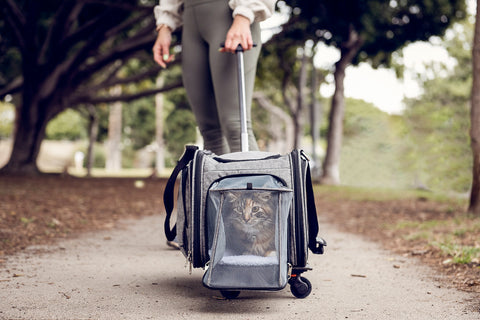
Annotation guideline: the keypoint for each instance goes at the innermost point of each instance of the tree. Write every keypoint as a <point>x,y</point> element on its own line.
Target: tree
<point>475,117</point>
<point>115,129</point>
<point>437,122</point>
<point>62,54</point>
<point>367,31</point>
<point>289,85</point>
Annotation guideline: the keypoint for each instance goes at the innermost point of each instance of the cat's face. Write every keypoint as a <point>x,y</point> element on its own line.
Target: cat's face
<point>250,222</point>
<point>251,208</point>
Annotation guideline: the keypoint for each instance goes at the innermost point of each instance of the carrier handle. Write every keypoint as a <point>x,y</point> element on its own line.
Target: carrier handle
<point>168,195</point>
<point>242,100</point>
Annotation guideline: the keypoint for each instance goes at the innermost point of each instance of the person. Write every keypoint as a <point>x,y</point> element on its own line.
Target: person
<point>209,73</point>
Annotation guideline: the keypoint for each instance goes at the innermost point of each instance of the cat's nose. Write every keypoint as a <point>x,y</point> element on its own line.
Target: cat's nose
<point>247,216</point>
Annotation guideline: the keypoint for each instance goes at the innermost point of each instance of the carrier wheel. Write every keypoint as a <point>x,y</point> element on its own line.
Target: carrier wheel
<point>230,294</point>
<point>300,287</point>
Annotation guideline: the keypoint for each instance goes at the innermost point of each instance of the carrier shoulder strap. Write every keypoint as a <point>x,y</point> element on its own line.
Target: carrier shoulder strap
<point>168,195</point>
<point>315,244</point>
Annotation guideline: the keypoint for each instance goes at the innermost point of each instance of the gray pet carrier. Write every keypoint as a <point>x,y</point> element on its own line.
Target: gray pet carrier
<point>213,188</point>
<point>248,218</point>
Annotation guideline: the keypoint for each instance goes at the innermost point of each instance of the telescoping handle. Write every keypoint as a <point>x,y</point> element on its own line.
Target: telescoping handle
<point>242,99</point>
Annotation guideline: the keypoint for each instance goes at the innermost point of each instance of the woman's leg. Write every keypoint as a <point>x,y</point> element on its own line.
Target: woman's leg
<point>198,84</point>
<point>224,74</point>
<point>210,77</point>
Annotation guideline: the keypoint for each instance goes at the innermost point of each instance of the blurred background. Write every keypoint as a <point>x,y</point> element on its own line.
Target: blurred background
<point>376,92</point>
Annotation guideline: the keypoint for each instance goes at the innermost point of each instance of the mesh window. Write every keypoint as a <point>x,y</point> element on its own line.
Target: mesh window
<point>247,230</point>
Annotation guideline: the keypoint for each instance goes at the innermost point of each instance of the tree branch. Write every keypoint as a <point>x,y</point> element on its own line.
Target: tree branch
<point>289,133</point>
<point>144,41</point>
<point>150,72</point>
<point>68,68</point>
<point>16,20</point>
<point>13,87</point>
<point>128,23</point>
<point>87,98</point>
<point>16,12</point>
<point>64,17</point>
<point>120,5</point>
<point>135,78</point>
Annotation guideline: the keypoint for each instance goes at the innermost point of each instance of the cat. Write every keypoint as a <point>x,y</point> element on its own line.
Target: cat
<point>250,223</point>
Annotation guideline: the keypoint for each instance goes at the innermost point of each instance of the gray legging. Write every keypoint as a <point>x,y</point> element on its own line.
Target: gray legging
<point>210,77</point>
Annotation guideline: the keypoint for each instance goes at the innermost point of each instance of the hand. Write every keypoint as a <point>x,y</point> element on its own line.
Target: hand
<point>239,33</point>
<point>161,48</point>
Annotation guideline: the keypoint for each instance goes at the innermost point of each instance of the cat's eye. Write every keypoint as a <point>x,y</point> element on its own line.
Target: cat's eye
<point>255,209</point>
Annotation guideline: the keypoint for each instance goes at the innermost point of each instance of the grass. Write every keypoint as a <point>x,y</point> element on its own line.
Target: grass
<point>383,194</point>
<point>436,222</point>
<point>124,173</point>
<point>461,254</point>
<point>457,238</point>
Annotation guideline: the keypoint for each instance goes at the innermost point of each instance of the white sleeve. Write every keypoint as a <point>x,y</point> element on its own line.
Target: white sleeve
<point>254,10</point>
<point>169,12</point>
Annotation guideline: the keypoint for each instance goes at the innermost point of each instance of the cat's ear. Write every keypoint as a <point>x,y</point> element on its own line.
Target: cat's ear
<point>264,196</point>
<point>231,196</point>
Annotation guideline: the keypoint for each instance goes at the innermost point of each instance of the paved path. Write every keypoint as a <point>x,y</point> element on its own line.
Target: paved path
<point>129,273</point>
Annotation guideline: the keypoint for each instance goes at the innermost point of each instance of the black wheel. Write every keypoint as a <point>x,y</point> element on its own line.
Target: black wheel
<point>301,287</point>
<point>229,294</point>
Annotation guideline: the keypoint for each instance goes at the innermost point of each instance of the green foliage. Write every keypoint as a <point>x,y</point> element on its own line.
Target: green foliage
<point>438,122</point>
<point>361,117</point>
<point>180,125</point>
<point>68,125</point>
<point>372,147</point>
<point>7,117</point>
<point>460,254</point>
<point>384,26</point>
<point>139,122</point>
<point>99,158</point>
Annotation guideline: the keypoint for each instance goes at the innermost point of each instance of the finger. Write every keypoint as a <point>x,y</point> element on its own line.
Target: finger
<point>228,45</point>
<point>250,43</point>
<point>157,57</point>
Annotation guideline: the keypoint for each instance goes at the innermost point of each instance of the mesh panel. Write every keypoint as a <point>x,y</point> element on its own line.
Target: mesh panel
<point>247,228</point>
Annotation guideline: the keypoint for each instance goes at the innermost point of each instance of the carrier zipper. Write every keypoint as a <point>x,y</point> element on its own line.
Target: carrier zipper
<point>198,241</point>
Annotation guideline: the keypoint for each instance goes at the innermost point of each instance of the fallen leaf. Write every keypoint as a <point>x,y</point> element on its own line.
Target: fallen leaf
<point>65,295</point>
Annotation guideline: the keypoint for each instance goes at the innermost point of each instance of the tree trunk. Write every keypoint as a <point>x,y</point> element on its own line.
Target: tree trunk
<point>280,125</point>
<point>331,164</point>
<point>315,120</point>
<point>114,151</point>
<point>474,206</point>
<point>92,137</point>
<point>160,147</point>
<point>331,171</point>
<point>31,120</point>
<point>302,86</point>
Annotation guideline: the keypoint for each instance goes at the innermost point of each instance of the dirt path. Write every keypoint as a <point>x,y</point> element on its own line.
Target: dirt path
<point>129,273</point>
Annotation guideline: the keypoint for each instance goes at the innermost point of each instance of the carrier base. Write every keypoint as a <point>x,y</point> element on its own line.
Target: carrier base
<point>300,286</point>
